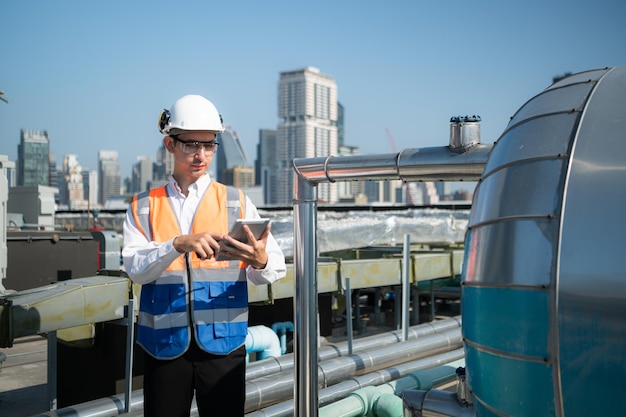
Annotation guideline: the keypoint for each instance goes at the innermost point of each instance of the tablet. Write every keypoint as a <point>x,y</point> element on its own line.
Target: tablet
<point>257,227</point>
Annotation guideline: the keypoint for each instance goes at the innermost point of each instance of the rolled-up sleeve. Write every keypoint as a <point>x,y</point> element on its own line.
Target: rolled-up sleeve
<point>144,261</point>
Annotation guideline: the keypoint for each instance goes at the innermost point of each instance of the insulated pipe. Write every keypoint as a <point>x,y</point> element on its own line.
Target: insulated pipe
<point>263,341</point>
<point>363,401</point>
<point>102,407</point>
<point>273,365</point>
<point>341,390</point>
<point>114,405</point>
<point>427,164</point>
<point>275,388</point>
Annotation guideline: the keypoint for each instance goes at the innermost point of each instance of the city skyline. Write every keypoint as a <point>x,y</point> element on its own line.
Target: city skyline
<point>97,75</point>
<point>311,126</point>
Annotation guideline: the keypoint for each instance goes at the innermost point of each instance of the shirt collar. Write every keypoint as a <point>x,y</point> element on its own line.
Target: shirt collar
<point>198,187</point>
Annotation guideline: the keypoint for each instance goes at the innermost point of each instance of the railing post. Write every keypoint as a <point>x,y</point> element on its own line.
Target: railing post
<point>305,300</point>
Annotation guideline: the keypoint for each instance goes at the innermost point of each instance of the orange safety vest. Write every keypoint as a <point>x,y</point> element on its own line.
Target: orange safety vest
<point>208,297</point>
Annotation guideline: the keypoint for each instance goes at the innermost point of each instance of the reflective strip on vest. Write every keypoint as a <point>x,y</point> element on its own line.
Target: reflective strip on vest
<point>217,291</point>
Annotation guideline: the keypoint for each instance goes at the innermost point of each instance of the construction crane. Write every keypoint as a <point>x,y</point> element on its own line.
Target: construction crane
<point>392,143</point>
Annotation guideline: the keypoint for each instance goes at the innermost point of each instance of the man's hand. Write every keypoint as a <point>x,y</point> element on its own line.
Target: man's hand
<point>252,253</point>
<point>205,245</point>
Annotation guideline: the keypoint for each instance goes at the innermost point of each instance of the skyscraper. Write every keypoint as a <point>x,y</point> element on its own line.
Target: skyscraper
<point>53,180</point>
<point>109,175</point>
<point>266,163</point>
<point>73,175</point>
<point>33,158</point>
<point>232,164</point>
<point>341,134</point>
<point>307,108</point>
<point>163,167</point>
<point>90,187</point>
<point>141,179</point>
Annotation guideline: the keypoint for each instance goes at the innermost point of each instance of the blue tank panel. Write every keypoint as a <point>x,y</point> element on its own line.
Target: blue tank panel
<point>506,319</point>
<point>483,411</point>
<point>512,386</point>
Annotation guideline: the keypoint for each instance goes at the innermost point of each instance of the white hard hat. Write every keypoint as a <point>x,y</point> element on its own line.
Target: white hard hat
<point>190,113</point>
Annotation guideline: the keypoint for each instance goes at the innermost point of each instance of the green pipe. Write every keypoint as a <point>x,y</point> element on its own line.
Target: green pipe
<point>388,405</point>
<point>383,400</point>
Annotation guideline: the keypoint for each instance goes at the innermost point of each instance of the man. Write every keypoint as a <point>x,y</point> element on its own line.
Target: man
<point>193,310</point>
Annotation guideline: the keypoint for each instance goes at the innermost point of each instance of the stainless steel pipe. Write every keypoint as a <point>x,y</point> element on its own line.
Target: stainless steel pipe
<point>263,392</point>
<point>341,390</point>
<point>428,164</point>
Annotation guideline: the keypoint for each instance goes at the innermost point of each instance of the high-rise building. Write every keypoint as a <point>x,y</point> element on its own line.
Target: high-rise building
<point>141,179</point>
<point>73,174</point>
<point>266,163</point>
<point>307,109</point>
<point>385,192</point>
<point>90,187</point>
<point>62,198</point>
<point>109,175</point>
<point>54,173</point>
<point>163,167</point>
<point>340,126</point>
<point>33,158</point>
<point>422,193</point>
<point>53,180</point>
<point>232,164</point>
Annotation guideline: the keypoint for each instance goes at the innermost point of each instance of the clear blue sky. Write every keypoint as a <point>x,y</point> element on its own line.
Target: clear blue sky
<point>96,74</point>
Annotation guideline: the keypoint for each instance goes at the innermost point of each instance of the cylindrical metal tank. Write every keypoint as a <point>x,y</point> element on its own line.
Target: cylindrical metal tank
<point>544,279</point>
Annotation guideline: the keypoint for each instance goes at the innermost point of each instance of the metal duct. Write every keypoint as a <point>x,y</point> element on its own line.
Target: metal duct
<point>63,305</point>
<point>425,164</point>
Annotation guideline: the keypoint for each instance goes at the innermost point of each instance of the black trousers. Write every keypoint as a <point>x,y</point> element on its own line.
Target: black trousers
<point>217,380</point>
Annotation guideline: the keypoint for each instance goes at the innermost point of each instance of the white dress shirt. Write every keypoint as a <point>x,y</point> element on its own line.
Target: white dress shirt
<point>145,261</point>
